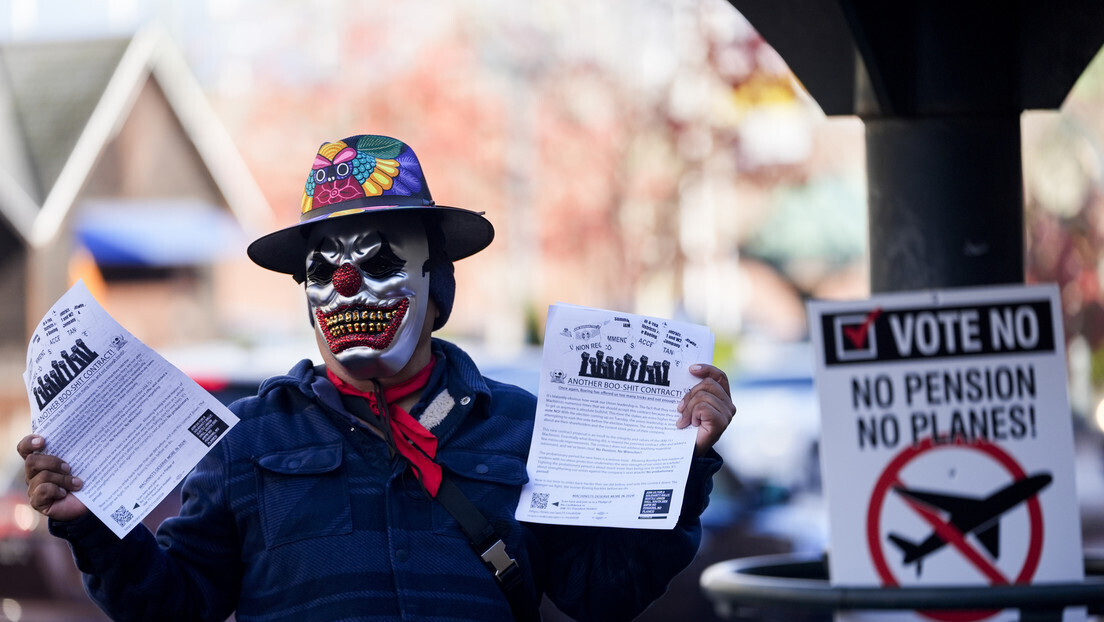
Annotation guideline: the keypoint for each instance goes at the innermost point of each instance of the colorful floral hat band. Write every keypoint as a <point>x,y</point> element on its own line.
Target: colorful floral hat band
<point>361,175</point>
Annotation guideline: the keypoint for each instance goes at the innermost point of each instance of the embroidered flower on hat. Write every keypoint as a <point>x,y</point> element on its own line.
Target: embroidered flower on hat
<point>375,166</point>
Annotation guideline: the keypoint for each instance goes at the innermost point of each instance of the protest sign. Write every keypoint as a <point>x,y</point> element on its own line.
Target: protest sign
<point>947,441</point>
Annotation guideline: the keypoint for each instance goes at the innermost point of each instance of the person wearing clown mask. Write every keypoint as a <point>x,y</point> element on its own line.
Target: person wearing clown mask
<point>367,287</point>
<point>335,495</point>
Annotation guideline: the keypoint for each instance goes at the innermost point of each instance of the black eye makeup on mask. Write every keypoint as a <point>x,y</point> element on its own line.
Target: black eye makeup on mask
<point>319,271</point>
<point>384,264</point>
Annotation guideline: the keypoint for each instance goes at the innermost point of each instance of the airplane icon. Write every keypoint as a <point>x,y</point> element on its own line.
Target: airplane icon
<point>968,515</point>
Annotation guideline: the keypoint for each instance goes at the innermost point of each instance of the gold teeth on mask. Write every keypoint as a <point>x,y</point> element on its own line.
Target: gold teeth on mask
<point>352,322</point>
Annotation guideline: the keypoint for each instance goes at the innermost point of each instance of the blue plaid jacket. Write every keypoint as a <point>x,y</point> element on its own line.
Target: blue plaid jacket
<point>294,516</point>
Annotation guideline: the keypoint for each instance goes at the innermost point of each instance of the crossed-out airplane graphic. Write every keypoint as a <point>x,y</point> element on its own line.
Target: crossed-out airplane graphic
<point>980,516</point>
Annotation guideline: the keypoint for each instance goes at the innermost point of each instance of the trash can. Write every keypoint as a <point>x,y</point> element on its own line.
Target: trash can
<point>800,583</point>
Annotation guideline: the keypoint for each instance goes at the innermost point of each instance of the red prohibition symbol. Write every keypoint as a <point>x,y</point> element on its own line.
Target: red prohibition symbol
<point>949,533</point>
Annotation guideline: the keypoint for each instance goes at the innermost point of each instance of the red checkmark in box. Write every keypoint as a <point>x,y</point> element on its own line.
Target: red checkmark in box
<point>856,334</point>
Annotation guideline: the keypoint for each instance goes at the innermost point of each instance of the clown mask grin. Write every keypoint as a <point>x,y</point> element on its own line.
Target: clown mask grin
<point>367,292</point>
<point>372,326</point>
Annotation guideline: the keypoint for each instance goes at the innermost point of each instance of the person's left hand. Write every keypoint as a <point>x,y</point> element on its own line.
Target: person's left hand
<point>707,406</point>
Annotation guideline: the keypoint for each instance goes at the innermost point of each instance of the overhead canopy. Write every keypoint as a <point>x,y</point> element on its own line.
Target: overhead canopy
<point>157,233</point>
<point>931,57</point>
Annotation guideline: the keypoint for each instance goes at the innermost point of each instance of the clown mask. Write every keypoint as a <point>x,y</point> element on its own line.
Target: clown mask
<point>368,292</point>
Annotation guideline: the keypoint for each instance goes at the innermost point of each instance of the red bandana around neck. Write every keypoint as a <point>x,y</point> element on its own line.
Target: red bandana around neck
<point>417,444</point>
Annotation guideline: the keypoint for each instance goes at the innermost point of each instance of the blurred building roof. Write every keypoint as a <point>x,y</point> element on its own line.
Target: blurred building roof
<point>99,138</point>
<point>54,90</point>
<point>61,103</point>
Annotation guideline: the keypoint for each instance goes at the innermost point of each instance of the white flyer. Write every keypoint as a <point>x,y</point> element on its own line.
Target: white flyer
<point>128,422</point>
<point>605,448</point>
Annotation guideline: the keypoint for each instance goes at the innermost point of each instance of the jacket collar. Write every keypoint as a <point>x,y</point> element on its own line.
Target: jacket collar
<point>459,376</point>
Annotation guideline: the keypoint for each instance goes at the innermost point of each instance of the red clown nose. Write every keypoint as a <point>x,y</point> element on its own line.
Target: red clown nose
<point>346,280</point>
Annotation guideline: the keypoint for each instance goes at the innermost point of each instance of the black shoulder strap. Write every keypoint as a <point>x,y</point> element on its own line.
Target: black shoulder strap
<point>490,548</point>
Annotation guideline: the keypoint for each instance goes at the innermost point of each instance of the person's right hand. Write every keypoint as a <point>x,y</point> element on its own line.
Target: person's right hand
<point>49,481</point>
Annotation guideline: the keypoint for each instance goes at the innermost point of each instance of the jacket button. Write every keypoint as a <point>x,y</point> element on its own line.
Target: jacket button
<point>402,555</point>
<point>482,468</point>
<point>464,401</point>
<point>293,464</point>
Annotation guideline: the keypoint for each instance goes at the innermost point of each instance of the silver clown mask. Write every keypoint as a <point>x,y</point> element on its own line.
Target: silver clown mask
<point>368,291</point>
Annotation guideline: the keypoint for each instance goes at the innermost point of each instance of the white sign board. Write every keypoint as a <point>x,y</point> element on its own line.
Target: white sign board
<point>947,442</point>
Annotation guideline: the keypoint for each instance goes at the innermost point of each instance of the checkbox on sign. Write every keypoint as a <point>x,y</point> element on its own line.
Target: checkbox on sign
<point>855,337</point>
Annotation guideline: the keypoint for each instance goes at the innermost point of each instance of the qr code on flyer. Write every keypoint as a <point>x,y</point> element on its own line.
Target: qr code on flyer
<point>539,501</point>
<point>208,428</point>
<point>122,516</point>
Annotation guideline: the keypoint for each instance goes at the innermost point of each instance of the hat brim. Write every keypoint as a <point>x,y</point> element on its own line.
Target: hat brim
<point>465,233</point>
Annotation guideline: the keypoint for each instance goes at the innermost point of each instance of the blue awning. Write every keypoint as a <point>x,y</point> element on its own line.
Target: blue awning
<point>157,233</point>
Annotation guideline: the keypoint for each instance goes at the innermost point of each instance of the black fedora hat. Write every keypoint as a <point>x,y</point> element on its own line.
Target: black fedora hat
<point>362,175</point>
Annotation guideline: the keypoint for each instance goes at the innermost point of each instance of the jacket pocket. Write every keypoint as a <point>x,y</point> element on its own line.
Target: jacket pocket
<point>304,494</point>
<point>491,481</point>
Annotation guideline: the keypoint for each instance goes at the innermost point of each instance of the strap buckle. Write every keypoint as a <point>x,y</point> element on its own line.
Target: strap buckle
<point>498,558</point>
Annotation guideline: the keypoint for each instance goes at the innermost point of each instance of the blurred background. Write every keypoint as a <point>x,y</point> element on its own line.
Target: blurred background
<point>652,156</point>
